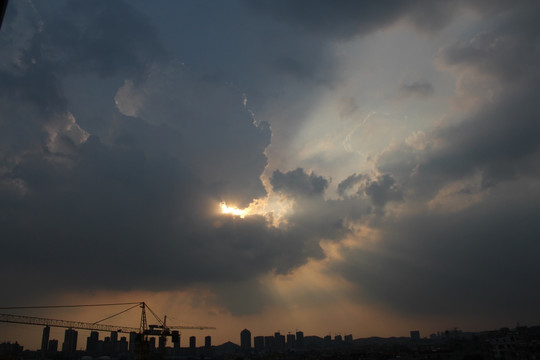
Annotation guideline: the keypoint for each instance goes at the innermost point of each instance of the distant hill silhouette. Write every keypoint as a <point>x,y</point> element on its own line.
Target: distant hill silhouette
<point>226,348</point>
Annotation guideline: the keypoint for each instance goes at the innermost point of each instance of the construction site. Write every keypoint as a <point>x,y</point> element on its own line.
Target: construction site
<point>150,340</point>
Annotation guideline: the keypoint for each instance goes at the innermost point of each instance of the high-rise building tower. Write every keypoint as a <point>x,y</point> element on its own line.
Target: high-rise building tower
<point>132,342</point>
<point>45,341</point>
<point>299,339</point>
<point>53,347</point>
<point>92,343</point>
<point>70,342</point>
<point>175,338</point>
<point>290,341</point>
<point>114,342</point>
<point>208,342</point>
<point>192,342</point>
<point>245,340</point>
<point>279,341</point>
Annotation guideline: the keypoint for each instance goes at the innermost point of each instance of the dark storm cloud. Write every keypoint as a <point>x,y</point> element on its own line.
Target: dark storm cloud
<point>294,68</point>
<point>221,142</point>
<point>507,50</point>
<point>382,190</point>
<point>500,140</point>
<point>477,262</point>
<point>298,183</point>
<point>101,37</point>
<point>500,143</point>
<point>349,18</point>
<point>120,208</point>
<point>114,157</point>
<point>468,250</point>
<point>59,39</point>
<point>135,206</point>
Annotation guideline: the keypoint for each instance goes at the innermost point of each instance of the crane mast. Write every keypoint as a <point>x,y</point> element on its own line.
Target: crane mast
<point>144,326</point>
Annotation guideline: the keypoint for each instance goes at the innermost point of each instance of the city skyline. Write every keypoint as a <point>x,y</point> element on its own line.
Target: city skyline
<point>518,343</point>
<point>69,340</point>
<point>487,341</point>
<point>361,167</point>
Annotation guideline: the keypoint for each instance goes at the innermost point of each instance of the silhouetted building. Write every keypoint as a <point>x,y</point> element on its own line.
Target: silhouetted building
<point>161,344</point>
<point>53,347</point>
<point>106,346</point>
<point>258,342</point>
<point>338,339</point>
<point>299,339</point>
<point>328,340</point>
<point>152,344</point>
<point>269,343</point>
<point>279,341</point>
<point>175,338</point>
<point>192,342</point>
<point>208,342</point>
<point>122,346</point>
<point>132,342</point>
<point>245,340</point>
<point>114,343</point>
<point>348,339</point>
<point>92,343</point>
<point>415,335</point>
<point>45,340</point>
<point>70,342</point>
<point>11,350</point>
<point>290,341</point>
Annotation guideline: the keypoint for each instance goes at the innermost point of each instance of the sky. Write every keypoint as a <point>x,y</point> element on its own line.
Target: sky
<point>336,167</point>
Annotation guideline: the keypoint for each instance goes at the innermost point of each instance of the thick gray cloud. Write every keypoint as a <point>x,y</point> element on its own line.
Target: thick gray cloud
<point>507,50</point>
<point>135,203</point>
<point>350,18</point>
<point>98,37</point>
<point>382,190</point>
<point>477,262</point>
<point>298,183</point>
<point>465,246</point>
<point>500,139</point>
<point>114,155</point>
<point>215,136</point>
<point>314,217</point>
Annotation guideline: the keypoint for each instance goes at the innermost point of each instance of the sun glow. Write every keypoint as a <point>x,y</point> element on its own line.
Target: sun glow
<point>233,210</point>
<point>273,208</point>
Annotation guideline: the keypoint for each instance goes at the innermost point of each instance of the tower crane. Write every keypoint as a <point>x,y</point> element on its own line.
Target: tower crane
<point>143,331</point>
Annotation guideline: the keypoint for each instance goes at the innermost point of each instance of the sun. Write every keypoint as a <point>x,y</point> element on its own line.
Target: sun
<point>233,210</point>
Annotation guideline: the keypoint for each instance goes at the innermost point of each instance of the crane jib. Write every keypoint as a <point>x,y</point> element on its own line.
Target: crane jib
<point>160,329</point>
<point>30,320</point>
